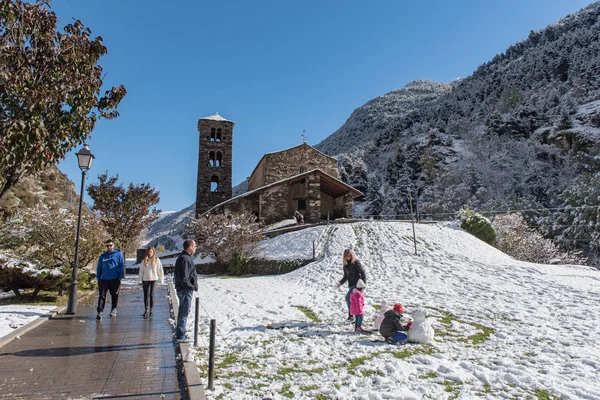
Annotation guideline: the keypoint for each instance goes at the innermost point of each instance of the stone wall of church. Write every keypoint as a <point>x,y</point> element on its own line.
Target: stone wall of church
<point>274,204</point>
<point>288,163</point>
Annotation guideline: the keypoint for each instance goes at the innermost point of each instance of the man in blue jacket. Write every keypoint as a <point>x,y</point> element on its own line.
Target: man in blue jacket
<point>109,272</point>
<point>186,282</point>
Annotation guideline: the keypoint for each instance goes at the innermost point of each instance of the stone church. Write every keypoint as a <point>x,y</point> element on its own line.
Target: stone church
<point>297,179</point>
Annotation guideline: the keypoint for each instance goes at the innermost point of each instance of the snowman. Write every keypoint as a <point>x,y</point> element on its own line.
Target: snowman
<point>420,330</point>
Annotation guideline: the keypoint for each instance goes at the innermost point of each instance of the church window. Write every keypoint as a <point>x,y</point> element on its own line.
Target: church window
<point>213,136</point>
<point>214,183</point>
<point>219,161</point>
<point>218,138</point>
<point>212,159</point>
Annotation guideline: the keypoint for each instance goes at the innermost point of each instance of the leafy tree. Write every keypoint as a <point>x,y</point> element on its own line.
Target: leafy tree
<point>49,89</point>
<point>227,236</point>
<point>125,212</point>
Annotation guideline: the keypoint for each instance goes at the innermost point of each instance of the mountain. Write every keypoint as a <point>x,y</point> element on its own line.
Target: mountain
<point>503,328</point>
<point>168,229</point>
<point>382,114</point>
<point>522,132</point>
<point>48,186</point>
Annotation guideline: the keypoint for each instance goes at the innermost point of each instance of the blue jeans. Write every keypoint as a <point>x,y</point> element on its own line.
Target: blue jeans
<point>399,337</point>
<point>350,289</point>
<point>185,304</point>
<point>358,321</point>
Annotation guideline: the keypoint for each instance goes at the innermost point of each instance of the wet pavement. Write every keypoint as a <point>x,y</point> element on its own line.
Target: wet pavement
<point>77,357</point>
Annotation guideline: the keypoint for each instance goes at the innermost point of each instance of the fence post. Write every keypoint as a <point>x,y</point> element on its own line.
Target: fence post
<point>313,249</point>
<point>211,355</point>
<point>196,321</point>
<point>412,220</point>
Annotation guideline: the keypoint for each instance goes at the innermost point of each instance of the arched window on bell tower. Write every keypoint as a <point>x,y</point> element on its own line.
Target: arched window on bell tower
<point>219,161</point>
<point>213,135</point>
<point>218,137</point>
<point>214,183</point>
<point>212,159</point>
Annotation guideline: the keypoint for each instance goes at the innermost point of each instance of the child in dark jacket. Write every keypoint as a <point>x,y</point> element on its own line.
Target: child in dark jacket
<point>391,327</point>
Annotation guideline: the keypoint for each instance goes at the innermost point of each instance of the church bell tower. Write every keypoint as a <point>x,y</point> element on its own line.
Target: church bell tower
<point>214,162</point>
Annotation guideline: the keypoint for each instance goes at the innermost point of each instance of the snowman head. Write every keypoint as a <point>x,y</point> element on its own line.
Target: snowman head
<point>419,315</point>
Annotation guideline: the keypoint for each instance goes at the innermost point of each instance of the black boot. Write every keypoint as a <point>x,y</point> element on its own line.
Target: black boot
<point>151,311</point>
<point>146,313</point>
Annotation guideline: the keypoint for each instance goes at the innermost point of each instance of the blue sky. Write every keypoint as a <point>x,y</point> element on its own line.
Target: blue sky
<point>274,67</point>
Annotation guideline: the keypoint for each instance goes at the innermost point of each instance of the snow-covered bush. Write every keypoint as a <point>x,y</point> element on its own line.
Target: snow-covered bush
<point>518,240</point>
<point>477,225</point>
<point>44,239</point>
<point>17,275</point>
<point>226,236</point>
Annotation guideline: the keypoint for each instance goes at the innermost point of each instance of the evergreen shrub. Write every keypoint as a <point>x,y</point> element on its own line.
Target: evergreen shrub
<point>477,225</point>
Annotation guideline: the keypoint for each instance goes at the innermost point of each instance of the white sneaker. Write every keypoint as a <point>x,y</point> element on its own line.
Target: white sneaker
<point>113,312</point>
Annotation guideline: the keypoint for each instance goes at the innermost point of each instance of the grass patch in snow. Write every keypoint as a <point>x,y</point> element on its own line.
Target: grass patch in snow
<point>429,375</point>
<point>479,337</point>
<point>542,394</point>
<point>452,388</point>
<point>309,313</point>
<point>285,391</point>
<point>447,318</point>
<point>308,388</point>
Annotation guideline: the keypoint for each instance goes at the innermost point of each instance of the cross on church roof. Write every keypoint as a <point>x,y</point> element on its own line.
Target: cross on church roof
<point>303,135</point>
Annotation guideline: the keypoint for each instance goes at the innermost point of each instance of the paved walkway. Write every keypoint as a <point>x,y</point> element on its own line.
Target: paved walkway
<point>77,357</point>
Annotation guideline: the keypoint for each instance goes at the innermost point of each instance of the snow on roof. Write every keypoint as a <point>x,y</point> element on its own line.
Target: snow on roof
<point>216,117</point>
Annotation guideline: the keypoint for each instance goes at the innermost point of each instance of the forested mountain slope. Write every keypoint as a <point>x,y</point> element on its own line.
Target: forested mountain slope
<point>521,132</point>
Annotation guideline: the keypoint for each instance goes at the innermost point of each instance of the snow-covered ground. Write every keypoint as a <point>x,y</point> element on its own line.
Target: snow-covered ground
<point>504,328</point>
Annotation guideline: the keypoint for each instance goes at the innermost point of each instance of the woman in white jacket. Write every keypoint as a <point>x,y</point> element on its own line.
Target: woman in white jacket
<point>151,271</point>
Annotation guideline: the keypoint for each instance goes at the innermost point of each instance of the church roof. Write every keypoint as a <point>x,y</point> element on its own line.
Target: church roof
<point>216,117</point>
<point>329,184</point>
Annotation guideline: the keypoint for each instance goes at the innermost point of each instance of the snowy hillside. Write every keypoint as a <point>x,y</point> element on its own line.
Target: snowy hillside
<point>504,328</point>
<point>168,229</point>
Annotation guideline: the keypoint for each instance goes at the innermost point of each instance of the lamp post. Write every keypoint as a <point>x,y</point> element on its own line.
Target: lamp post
<point>84,158</point>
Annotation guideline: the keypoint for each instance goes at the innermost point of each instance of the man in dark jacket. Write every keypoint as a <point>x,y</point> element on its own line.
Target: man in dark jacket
<point>391,327</point>
<point>186,282</point>
<point>109,272</point>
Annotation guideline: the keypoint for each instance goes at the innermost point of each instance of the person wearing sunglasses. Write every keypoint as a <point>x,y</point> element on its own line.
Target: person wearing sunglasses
<point>109,272</point>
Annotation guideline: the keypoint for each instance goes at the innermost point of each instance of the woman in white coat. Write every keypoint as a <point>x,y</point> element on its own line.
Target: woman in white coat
<point>151,271</point>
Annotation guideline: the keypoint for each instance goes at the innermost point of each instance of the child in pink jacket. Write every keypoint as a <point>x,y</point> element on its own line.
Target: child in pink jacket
<point>357,305</point>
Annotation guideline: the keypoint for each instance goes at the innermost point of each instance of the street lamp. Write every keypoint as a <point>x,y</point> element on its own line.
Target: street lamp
<point>84,158</point>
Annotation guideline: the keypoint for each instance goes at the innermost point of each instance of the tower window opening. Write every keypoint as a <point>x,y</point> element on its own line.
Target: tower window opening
<point>218,137</point>
<point>214,183</point>
<point>219,161</point>
<point>212,159</point>
<point>213,136</point>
